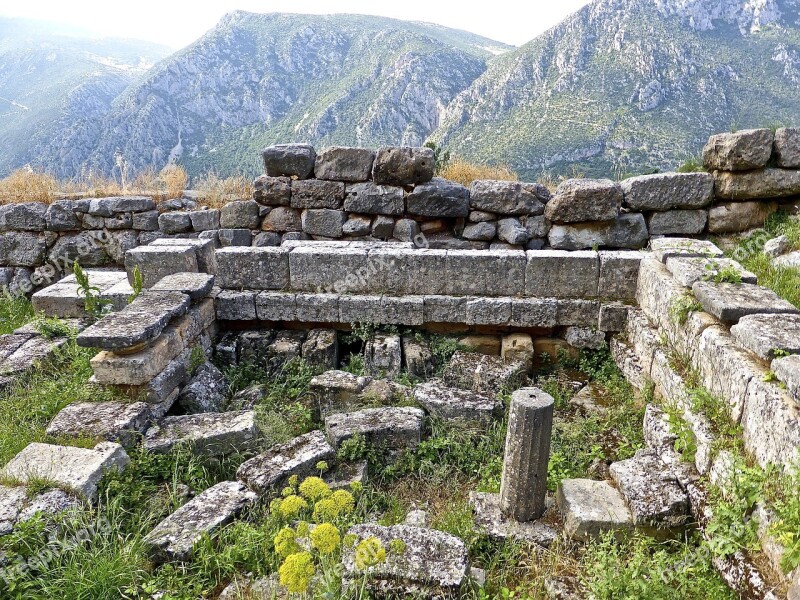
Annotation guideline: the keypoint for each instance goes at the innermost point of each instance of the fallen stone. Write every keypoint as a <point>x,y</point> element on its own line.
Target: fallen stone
<point>34,351</point>
<point>787,369</point>
<point>16,507</point>
<point>787,261</point>
<point>768,336</point>
<point>658,434</point>
<point>417,357</point>
<point>270,470</point>
<point>456,404</point>
<point>321,349</point>
<point>337,390</point>
<point>119,422</point>
<point>778,246</point>
<point>403,166</point>
<point>786,148</point>
<point>205,392</point>
<point>579,200</point>
<point>174,538</point>
<point>393,428</point>
<point>483,374</point>
<point>689,270</point>
<point>667,191</point>
<point>665,248</point>
<point>344,475</point>
<point>210,434</point>
<point>591,400</point>
<point>591,508</point>
<point>508,197</point>
<point>248,398</point>
<point>433,565</point>
<point>290,160</point>
<point>626,231</point>
<point>651,491</point>
<point>344,164</point>
<point>730,302</point>
<point>740,151</point>
<point>733,217</point>
<point>383,356</point>
<point>438,198</point>
<point>677,222</point>
<point>194,285</point>
<point>77,469</point>
<point>490,521</point>
<point>582,337</point>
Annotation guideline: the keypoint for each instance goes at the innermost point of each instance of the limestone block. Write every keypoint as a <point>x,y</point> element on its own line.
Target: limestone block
<point>562,274</point>
<point>488,311</point>
<point>485,273</point>
<point>591,508</point>
<point>619,274</point>
<point>232,305</point>
<point>730,302</point>
<point>786,148</point>
<point>329,269</point>
<point>253,268</point>
<point>315,193</point>
<point>438,198</point>
<point>444,309</point>
<point>23,216</point>
<point>317,308</point>
<point>392,428</point>
<point>321,348</point>
<point>689,270</point>
<point>508,197</point>
<point>110,421</point>
<point>403,166</point>
<point>344,164</point>
<point>733,217</point>
<point>289,160</point>
<point>757,185</point>
<point>667,191</point>
<point>156,262</point>
<point>580,200</point>
<point>534,312</point>
<point>770,424</point>
<point>626,231</point>
<point>768,336</point>
<point>22,249</point>
<point>276,306</point>
<point>739,151</point>
<point>208,434</point>
<point>272,191</point>
<point>664,248</point>
<point>681,222</point>
<point>788,371</point>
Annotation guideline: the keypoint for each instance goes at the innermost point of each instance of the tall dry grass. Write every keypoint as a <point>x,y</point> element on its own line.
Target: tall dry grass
<point>465,172</point>
<point>215,191</point>
<point>27,185</point>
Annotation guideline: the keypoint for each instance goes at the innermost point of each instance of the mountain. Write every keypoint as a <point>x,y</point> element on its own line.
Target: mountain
<point>257,79</point>
<point>52,80</point>
<point>625,86</point>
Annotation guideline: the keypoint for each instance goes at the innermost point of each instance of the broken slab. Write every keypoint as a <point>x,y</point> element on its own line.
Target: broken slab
<point>664,248</point>
<point>591,507</point>
<point>157,261</point>
<point>483,374</point>
<point>689,270</point>
<point>299,456</point>
<point>490,521</point>
<point>651,491</point>
<point>194,285</point>
<point>77,469</point>
<point>383,356</point>
<point>434,564</point>
<point>344,475</point>
<point>120,422</point>
<point>337,390</point>
<point>394,428</point>
<point>16,506</point>
<point>174,538</point>
<point>207,434</point>
<point>456,404</point>
<point>141,321</point>
<point>768,336</point>
<point>206,391</point>
<point>788,371</point>
<point>730,302</point>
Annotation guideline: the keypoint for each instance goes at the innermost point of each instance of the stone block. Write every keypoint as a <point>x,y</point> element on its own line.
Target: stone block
<point>266,238</point>
<point>61,216</point>
<point>756,185</point>
<point>175,537</point>
<point>658,293</point>
<point>203,249</point>
<point>730,302</point>
<point>786,148</point>
<point>403,166</point>
<point>787,370</point>
<point>613,317</point>
<point>321,348</point>
<point>626,231</point>
<point>270,470</point>
<point>21,249</point>
<point>490,521</point>
<point>282,219</point>
<point>240,214</point>
<point>444,309</point>
<point>591,508</point>
<point>512,232</point>
<point>289,160</point>
<point>16,507</point>
<point>156,262</point>
<point>234,237</point>
<point>534,312</point>
<point>680,222</point>
<point>562,274</point>
<point>146,221</point>
<point>488,311</point>
<point>140,367</point>
<point>733,217</point>
<point>315,193</point>
<point>382,227</point>
<point>668,191</point>
<point>406,230</point>
<point>208,434</point>
<point>486,273</point>
<point>110,421</point>
<point>689,270</point>
<point>403,271</point>
<point>508,197</point>
<point>438,198</point>
<point>205,392</point>
<point>402,310</point>
<point>272,191</point>
<point>739,151</point>
<point>619,274</point>
<point>770,424</point>
<point>583,337</point>
<point>768,336</point>
<point>324,222</point>
<point>334,391</point>
<point>23,216</point>
<point>79,469</point>
<point>357,226</point>
<point>344,164</point>
<point>664,248</point>
<point>383,356</point>
<point>577,313</point>
<point>232,305</point>
<point>317,308</point>
<point>205,220</point>
<point>483,374</point>
<point>327,269</point>
<point>788,261</point>
<point>417,357</point>
<point>580,200</point>
<point>172,222</point>
<point>391,428</point>
<point>241,267</point>
<point>276,306</point>
<point>360,309</point>
<point>483,231</point>
<point>194,285</point>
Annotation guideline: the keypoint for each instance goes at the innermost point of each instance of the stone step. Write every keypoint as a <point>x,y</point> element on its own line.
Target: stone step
<point>592,507</point>
<point>688,270</point>
<point>141,321</point>
<point>174,538</point>
<point>788,371</point>
<point>66,300</point>
<point>209,434</point>
<point>111,421</point>
<point>457,404</point>
<point>665,248</point>
<point>730,302</point>
<point>194,285</point>
<point>768,335</point>
<point>392,428</point>
<point>77,469</point>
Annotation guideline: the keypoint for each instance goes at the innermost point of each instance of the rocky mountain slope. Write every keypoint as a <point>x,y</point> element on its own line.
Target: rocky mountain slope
<point>631,85</point>
<point>51,82</point>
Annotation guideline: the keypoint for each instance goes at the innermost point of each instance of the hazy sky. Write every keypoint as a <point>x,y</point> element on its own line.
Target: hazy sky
<point>177,24</point>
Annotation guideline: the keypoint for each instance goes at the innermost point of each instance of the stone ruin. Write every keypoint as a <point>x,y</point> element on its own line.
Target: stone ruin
<point>374,237</point>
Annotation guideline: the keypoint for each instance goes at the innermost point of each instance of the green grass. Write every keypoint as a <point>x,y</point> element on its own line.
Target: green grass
<point>15,311</point>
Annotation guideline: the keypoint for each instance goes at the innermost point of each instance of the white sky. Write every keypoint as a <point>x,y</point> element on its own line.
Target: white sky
<point>177,24</point>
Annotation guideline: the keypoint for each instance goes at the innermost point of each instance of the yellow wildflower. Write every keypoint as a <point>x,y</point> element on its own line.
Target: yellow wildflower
<point>369,552</point>
<point>325,538</point>
<point>286,542</point>
<point>296,572</point>
<point>291,506</point>
<point>344,501</point>
<point>302,529</point>
<point>314,489</point>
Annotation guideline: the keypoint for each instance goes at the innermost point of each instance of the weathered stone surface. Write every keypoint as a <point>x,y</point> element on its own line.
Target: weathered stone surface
<point>577,313</point>
<point>438,198</point>
<point>284,347</point>
<point>457,404</point>
<point>527,452</point>
<point>578,200</point>
<point>393,428</point>
<point>21,249</point>
<point>417,357</point>
<point>740,151</point>
<point>276,306</point>
<point>481,273</point>
<point>433,565</point>
<point>651,491</point>
<point>174,222</point>
<point>491,521</point>
<point>403,166</point>
<point>730,302</point>
<point>444,309</point>
<point>778,246</point>
<point>175,537</point>
<point>107,207</point>
<point>768,336</point>
<point>315,193</point>
<point>66,299</point>
<point>732,217</point>
<point>382,227</point>
<point>321,348</point>
<point>562,274</point>
<point>79,469</point>
<point>231,305</point>
<point>770,424</point>
<point>517,347</point>
<point>657,432</point>
<point>680,222</point>
<point>591,399</point>
<point>203,249</point>
<point>582,337</point>
<point>290,160</point>
<point>161,387</point>
<point>508,197</point>
<point>664,248</point>
<point>281,219</point>
<point>626,231</point>
<point>253,268</point>
<point>205,220</point>
<point>16,507</point>
<point>592,507</point>
<point>336,390</point>
<point>23,216</point>
<point>194,285</point>
<point>32,352</point>
<point>787,369</point>
<point>141,321</point>
<point>324,222</point>
<point>272,191</point>
<point>619,274</point>
<point>240,214</point>
<point>791,260</point>
<point>483,374</point>
<point>317,308</point>
<point>382,356</point>
<point>754,185</point>
<point>689,270</point>
<point>786,148</point>
<point>266,238</point>
<point>234,237</point>
<point>205,392</point>
<point>405,230</point>
<point>534,312</point>
<point>344,164</point>
<point>667,191</point>
<point>357,226</point>
<point>488,311</point>
<point>253,346</point>
<point>156,262</point>
<point>613,317</point>
<point>299,456</point>
<point>210,434</point>
<point>146,221</point>
<point>111,421</point>
<point>483,231</point>
<point>61,216</point>
<point>512,231</point>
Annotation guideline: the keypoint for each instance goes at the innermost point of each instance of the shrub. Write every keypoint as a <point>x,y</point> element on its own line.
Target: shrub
<point>465,172</point>
<point>27,185</point>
